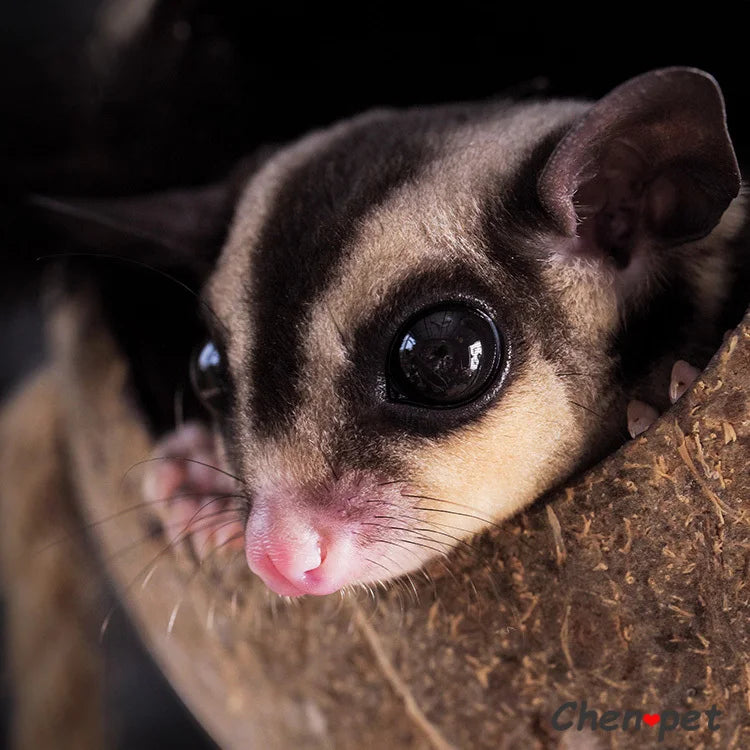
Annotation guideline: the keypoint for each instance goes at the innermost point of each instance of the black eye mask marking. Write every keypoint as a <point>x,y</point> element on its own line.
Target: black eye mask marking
<point>383,406</point>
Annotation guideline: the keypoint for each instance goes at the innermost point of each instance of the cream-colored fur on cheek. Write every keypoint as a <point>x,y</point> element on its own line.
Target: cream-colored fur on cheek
<point>530,440</point>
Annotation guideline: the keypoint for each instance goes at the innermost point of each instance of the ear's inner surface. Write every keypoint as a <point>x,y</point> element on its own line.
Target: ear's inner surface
<point>609,204</point>
<point>650,165</point>
<point>627,201</point>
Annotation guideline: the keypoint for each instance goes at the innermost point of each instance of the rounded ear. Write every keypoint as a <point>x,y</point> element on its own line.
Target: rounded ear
<point>650,161</point>
<point>183,228</point>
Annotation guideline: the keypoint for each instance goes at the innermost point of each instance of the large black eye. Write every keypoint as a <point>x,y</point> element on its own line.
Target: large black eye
<point>208,374</point>
<point>444,356</point>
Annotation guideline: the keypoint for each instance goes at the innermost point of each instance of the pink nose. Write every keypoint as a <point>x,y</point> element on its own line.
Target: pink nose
<point>296,564</point>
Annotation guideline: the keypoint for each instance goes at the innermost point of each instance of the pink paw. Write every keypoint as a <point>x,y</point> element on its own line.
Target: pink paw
<point>641,415</point>
<point>189,489</point>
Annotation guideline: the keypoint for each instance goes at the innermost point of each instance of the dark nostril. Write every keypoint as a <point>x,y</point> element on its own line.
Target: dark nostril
<point>321,550</point>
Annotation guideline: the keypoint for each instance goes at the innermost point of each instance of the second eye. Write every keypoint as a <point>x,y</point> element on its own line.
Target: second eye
<point>208,375</point>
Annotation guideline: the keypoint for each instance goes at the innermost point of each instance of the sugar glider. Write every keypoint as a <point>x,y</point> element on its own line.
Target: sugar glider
<point>421,320</point>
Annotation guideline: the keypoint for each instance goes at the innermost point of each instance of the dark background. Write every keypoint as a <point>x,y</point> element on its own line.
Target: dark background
<point>96,106</point>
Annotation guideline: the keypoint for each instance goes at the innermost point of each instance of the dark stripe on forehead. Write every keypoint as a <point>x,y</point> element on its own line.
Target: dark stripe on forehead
<point>310,230</point>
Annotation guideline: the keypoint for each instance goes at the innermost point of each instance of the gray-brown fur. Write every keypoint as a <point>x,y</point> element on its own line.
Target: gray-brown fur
<point>327,256</point>
<point>341,237</point>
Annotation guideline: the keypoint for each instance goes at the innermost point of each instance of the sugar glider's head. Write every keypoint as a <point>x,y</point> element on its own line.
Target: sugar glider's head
<point>418,317</point>
<point>418,312</point>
